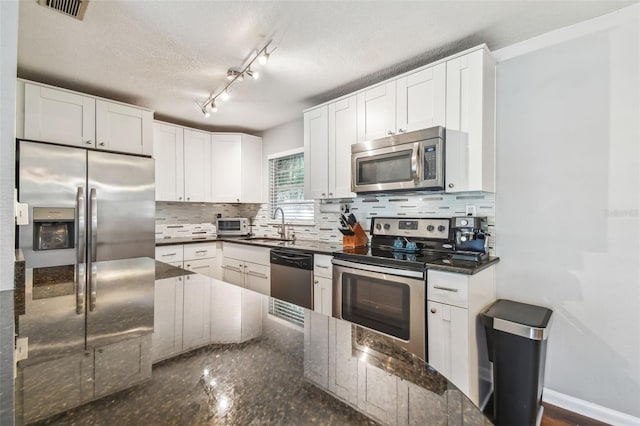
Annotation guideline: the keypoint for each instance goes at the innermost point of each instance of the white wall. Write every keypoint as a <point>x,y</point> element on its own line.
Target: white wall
<point>281,138</point>
<point>567,200</point>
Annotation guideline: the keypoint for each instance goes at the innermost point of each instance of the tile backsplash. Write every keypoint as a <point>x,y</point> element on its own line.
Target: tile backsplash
<point>326,213</point>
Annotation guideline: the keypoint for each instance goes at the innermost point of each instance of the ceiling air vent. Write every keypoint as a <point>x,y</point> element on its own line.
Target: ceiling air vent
<point>73,8</point>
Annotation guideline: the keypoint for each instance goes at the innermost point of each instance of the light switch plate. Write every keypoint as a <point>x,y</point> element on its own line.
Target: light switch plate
<point>470,210</point>
<point>22,348</point>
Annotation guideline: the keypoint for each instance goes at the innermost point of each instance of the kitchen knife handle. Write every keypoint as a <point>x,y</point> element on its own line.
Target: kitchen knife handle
<point>80,278</point>
<point>93,241</point>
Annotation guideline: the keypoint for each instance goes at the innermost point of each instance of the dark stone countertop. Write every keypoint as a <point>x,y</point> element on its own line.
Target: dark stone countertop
<point>309,246</point>
<point>462,266</point>
<point>164,271</point>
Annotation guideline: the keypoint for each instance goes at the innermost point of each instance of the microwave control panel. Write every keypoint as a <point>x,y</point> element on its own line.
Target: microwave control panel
<point>430,160</point>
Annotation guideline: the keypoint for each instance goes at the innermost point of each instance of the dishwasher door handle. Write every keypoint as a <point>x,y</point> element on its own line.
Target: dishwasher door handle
<point>289,256</point>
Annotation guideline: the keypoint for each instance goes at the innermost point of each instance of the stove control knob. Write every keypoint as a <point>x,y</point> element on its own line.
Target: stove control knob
<point>464,222</point>
<point>441,228</point>
<point>387,226</point>
<point>378,226</point>
<point>430,228</point>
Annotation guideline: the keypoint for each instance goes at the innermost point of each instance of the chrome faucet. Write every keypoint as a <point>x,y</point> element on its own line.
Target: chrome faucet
<point>282,231</point>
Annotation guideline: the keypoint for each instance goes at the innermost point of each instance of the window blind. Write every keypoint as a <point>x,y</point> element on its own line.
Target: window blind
<point>286,188</point>
<point>287,311</point>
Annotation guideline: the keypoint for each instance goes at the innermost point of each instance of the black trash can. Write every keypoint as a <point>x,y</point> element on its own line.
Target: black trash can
<point>517,343</point>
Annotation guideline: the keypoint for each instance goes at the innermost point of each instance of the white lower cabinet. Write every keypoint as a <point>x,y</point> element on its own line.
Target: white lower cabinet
<point>167,318</point>
<point>456,339</point>
<point>316,348</point>
<point>197,306</point>
<point>257,278</point>
<point>418,406</point>
<point>322,284</point>
<point>247,266</point>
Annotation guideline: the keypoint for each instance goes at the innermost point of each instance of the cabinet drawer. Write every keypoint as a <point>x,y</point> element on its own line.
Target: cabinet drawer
<point>168,254</point>
<point>322,265</point>
<point>447,287</point>
<point>199,251</point>
<point>247,253</point>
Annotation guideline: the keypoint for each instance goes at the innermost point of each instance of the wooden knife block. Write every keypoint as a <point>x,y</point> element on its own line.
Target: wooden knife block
<point>358,239</point>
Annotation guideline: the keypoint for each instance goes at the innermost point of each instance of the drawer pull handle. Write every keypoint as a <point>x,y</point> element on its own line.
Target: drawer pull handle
<point>169,254</point>
<point>202,251</point>
<point>231,268</point>
<point>433,310</point>
<point>323,267</point>
<point>453,290</point>
<point>255,274</point>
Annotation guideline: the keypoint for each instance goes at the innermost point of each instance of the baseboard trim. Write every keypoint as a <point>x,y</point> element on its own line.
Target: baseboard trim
<point>589,409</point>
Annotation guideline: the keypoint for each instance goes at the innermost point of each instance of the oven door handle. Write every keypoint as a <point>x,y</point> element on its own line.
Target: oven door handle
<point>380,269</point>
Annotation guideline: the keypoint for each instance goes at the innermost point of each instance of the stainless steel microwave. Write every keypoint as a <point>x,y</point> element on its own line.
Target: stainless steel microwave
<point>232,226</point>
<point>407,161</point>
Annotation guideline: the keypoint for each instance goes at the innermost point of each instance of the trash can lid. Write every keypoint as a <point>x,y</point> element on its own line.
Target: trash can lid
<point>518,318</point>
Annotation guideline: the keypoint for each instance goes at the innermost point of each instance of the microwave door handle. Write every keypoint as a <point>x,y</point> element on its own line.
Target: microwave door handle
<point>93,239</point>
<point>416,168</point>
<point>80,251</point>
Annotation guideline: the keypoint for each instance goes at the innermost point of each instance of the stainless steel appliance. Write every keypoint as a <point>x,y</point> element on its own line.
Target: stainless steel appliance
<point>383,287</point>
<point>292,277</point>
<point>471,238</point>
<point>90,272</point>
<point>407,161</point>
<point>232,226</point>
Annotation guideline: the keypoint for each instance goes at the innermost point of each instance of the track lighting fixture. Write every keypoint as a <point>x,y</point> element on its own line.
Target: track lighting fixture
<point>233,75</point>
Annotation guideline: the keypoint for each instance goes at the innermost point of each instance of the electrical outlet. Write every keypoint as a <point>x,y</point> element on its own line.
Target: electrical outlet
<point>470,209</point>
<point>22,348</point>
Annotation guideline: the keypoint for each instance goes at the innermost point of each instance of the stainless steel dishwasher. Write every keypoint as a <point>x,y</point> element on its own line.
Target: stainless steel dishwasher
<point>292,277</point>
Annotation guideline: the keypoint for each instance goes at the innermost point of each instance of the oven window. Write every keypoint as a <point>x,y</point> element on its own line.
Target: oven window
<point>387,168</point>
<point>378,304</point>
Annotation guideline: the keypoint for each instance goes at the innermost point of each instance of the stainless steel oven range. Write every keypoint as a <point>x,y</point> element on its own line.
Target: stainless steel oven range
<point>383,287</point>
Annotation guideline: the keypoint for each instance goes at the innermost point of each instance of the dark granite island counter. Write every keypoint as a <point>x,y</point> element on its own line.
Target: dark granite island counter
<point>272,378</point>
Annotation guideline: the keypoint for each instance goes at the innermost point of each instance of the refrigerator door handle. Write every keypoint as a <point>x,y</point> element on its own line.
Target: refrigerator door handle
<point>93,239</point>
<point>80,251</point>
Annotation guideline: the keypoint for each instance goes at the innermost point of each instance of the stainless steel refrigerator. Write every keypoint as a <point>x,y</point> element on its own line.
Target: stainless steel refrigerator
<point>89,249</point>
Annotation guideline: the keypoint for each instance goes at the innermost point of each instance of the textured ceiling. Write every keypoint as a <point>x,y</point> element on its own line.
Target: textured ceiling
<point>166,55</point>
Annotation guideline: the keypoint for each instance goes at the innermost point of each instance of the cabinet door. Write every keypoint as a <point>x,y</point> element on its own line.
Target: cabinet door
<point>343,367</point>
<point>251,170</point>
<point>343,126</point>
<point>377,393</point>
<point>197,166</point>
<point>123,128</point>
<point>322,290</point>
<point>469,123</point>
<point>233,271</point>
<point>204,267</point>
<point>226,153</point>
<point>168,153</point>
<point>170,254</point>
<point>377,112</point>
<point>226,318</point>
<point>258,278</point>
<point>167,318</point>
<point>251,315</point>
<point>54,386</point>
<point>59,116</point>
<point>420,99</point>
<point>196,312</point>
<point>121,365</point>
<point>316,348</point>
<point>316,153</point>
<point>449,343</point>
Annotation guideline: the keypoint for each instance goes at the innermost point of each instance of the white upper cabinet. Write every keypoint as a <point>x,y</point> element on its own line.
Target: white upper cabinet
<point>226,152</point>
<point>236,168</point>
<point>169,156</point>
<point>123,128</point>
<point>59,116</point>
<point>342,134</point>
<point>69,118</point>
<point>197,166</point>
<point>377,112</point>
<point>316,153</point>
<point>329,132</point>
<point>469,124</point>
<point>420,99</point>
